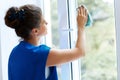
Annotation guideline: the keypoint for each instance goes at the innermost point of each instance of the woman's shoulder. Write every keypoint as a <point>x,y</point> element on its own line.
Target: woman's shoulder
<point>43,46</point>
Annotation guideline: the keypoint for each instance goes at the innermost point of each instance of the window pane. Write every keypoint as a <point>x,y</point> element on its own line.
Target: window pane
<point>100,60</point>
<point>55,34</point>
<point>54,23</point>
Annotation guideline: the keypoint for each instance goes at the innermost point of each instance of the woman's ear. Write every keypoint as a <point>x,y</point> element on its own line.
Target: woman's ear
<point>35,32</point>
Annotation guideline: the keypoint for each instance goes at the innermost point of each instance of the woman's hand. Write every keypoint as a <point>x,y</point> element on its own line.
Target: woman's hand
<point>81,17</point>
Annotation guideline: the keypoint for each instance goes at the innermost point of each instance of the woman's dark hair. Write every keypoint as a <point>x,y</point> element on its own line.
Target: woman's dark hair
<point>23,19</point>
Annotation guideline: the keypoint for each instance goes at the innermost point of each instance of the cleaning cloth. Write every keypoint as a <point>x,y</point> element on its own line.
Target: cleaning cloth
<point>89,20</point>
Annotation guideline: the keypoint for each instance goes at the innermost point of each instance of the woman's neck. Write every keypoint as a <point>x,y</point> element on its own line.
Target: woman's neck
<point>33,41</point>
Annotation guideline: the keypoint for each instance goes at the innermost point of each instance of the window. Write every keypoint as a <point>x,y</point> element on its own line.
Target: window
<point>60,33</point>
<point>100,60</point>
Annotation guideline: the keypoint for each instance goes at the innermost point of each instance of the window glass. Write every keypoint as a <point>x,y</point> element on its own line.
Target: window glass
<point>55,33</point>
<point>100,60</point>
<point>54,24</point>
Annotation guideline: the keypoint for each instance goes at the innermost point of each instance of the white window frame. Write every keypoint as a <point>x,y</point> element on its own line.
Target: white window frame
<point>75,66</point>
<point>67,29</point>
<point>64,36</point>
<point>0,59</point>
<point>117,24</point>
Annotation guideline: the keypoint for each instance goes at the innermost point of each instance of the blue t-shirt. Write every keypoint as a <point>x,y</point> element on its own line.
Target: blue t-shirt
<point>28,62</point>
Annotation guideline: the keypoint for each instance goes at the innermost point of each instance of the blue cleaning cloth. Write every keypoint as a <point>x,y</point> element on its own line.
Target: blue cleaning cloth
<point>89,20</point>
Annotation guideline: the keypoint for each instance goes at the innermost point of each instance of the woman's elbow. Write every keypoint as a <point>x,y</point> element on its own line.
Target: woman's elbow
<point>80,52</point>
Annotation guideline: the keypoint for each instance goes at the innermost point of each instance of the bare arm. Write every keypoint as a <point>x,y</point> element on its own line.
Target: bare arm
<point>59,56</point>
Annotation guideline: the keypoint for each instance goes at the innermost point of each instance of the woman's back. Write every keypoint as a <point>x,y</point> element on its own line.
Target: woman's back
<point>28,62</point>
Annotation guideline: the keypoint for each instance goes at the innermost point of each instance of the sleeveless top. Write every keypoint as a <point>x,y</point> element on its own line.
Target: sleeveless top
<point>28,62</point>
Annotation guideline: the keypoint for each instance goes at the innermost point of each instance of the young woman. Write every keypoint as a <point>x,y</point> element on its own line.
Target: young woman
<point>29,59</point>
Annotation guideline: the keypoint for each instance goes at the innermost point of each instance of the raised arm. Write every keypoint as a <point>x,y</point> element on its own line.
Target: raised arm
<point>59,56</point>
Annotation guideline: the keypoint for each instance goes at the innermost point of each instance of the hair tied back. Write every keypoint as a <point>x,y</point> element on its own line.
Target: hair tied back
<point>20,15</point>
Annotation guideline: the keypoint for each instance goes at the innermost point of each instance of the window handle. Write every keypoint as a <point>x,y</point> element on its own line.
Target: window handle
<point>66,29</point>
